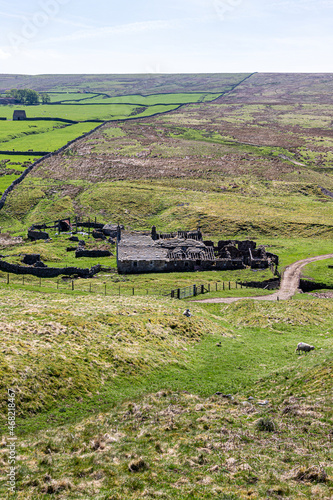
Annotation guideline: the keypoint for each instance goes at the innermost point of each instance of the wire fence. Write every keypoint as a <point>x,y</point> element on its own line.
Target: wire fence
<point>112,289</point>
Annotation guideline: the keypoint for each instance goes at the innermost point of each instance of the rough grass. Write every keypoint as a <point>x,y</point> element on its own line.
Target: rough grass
<point>61,348</point>
<point>176,445</point>
<point>165,433</point>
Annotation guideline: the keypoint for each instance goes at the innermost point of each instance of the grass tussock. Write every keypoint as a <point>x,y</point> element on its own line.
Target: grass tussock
<point>178,445</point>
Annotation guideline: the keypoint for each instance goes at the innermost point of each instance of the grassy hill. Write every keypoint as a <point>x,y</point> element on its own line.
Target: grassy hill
<point>116,394</point>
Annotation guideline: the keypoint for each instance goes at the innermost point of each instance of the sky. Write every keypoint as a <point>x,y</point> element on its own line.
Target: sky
<point>170,36</point>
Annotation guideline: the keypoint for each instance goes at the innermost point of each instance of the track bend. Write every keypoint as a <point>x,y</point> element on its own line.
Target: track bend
<point>289,283</point>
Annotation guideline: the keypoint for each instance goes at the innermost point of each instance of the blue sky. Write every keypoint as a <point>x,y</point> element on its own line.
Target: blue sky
<point>173,36</point>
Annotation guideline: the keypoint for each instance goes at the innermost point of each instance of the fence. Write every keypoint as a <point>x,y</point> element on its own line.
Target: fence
<point>110,288</point>
<point>194,290</point>
<point>80,286</point>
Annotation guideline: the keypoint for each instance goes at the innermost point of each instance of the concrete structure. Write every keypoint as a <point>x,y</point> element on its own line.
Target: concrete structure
<point>185,251</point>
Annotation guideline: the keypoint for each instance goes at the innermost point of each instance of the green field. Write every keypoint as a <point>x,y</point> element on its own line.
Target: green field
<point>49,140</point>
<point>69,96</point>
<point>10,130</point>
<point>152,100</point>
<point>118,394</point>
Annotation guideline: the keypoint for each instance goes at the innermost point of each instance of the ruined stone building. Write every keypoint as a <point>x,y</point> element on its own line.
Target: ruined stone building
<point>185,251</point>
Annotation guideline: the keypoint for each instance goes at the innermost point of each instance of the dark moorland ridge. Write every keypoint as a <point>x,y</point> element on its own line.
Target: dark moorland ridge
<point>259,87</point>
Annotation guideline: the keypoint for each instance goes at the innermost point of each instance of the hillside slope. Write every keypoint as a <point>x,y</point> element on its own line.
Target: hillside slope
<point>241,168</point>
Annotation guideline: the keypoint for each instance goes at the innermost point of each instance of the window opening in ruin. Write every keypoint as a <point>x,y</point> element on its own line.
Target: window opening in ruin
<point>135,264</point>
<point>198,262</point>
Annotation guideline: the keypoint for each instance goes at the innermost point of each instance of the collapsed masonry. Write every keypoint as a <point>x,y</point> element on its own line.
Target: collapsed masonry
<point>186,251</point>
<point>100,230</point>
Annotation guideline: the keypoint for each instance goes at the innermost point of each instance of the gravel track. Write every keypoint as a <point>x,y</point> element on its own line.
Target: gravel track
<point>289,283</point>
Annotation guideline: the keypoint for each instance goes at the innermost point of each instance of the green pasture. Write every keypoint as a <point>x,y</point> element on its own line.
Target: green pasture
<point>70,96</point>
<point>320,272</point>
<point>81,112</point>
<point>50,140</point>
<point>6,181</point>
<point>11,167</point>
<point>269,330</point>
<point>17,162</point>
<point>10,130</point>
<point>152,100</point>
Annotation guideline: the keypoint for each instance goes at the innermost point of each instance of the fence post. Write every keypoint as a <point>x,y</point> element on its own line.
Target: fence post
<point>209,287</point>
<point>178,293</point>
<point>194,290</point>
<point>133,290</point>
<point>72,284</point>
<point>229,285</point>
<point>223,285</point>
<point>7,278</point>
<point>105,288</point>
<point>172,294</point>
<point>216,286</point>
<point>202,289</point>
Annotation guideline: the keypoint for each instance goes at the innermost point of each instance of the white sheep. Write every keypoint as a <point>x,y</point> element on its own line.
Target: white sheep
<point>302,346</point>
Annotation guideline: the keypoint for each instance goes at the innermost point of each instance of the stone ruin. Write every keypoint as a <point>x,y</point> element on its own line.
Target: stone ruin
<point>99,230</point>
<point>186,251</point>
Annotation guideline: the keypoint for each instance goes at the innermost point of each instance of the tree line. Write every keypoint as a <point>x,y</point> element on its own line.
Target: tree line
<point>28,96</point>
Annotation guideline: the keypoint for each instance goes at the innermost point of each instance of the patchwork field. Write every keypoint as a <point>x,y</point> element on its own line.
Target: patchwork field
<point>118,395</point>
<point>200,165</point>
<point>44,136</point>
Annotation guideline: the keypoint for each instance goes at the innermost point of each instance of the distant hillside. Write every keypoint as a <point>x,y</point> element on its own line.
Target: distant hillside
<point>233,165</point>
<point>124,84</point>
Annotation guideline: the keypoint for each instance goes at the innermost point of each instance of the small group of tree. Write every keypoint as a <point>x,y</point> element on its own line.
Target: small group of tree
<point>28,96</point>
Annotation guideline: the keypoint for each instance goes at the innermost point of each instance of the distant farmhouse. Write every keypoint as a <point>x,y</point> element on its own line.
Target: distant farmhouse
<point>19,115</point>
<point>7,100</point>
<point>186,251</point>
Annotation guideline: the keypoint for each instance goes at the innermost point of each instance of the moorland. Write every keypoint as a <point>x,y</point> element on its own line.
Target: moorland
<point>121,396</point>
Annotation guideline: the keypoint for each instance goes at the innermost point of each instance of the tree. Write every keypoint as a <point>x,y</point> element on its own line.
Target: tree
<point>46,99</point>
<point>24,96</point>
<point>31,97</point>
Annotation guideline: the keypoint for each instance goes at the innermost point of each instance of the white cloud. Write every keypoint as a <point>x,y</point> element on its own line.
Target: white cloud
<point>122,29</point>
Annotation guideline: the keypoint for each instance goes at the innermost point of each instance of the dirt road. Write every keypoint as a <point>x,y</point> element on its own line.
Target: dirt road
<point>289,283</point>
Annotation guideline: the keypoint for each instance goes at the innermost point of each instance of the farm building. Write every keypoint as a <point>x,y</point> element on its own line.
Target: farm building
<point>19,115</point>
<point>186,251</point>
